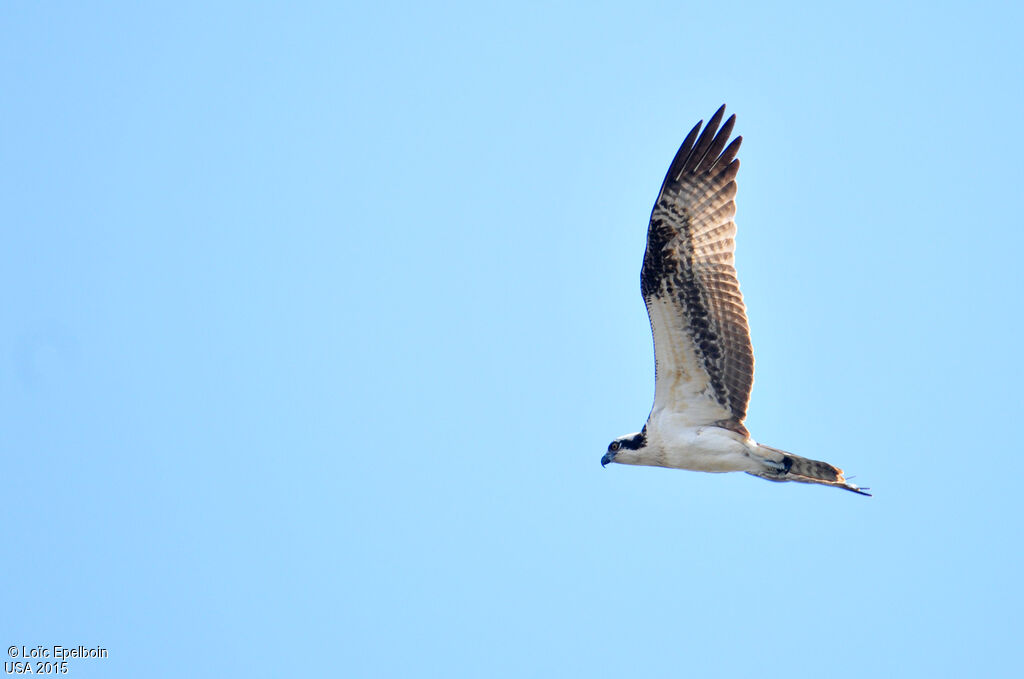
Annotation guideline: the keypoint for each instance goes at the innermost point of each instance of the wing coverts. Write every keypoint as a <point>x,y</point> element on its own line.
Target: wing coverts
<point>689,264</point>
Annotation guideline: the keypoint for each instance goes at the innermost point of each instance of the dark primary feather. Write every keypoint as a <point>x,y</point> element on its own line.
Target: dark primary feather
<point>689,261</point>
<point>705,141</point>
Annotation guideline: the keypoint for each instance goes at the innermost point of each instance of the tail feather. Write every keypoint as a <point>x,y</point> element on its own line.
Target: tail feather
<point>792,467</point>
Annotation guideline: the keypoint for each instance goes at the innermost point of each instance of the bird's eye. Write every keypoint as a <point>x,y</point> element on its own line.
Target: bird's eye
<point>614,446</point>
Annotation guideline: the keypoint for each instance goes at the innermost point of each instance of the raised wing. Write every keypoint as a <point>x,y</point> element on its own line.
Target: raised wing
<point>703,358</point>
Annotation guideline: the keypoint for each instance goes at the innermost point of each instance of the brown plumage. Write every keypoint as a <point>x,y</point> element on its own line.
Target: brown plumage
<point>703,358</point>
<point>689,259</point>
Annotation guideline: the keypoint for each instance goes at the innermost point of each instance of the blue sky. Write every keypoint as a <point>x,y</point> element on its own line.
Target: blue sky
<point>317,319</point>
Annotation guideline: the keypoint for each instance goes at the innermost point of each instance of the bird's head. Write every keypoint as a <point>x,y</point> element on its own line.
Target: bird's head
<point>624,449</point>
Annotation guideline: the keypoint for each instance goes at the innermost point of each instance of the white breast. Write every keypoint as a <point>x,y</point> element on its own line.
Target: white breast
<point>673,443</point>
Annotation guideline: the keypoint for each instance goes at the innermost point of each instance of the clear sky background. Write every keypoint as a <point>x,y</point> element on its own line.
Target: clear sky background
<point>318,317</point>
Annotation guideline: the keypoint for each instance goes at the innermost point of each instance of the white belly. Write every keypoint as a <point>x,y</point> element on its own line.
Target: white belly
<point>704,448</point>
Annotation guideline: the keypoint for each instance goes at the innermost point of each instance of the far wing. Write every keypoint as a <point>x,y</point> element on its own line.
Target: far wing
<point>703,357</point>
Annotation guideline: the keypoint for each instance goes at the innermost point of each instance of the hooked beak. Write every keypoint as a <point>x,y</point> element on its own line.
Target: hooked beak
<point>608,457</point>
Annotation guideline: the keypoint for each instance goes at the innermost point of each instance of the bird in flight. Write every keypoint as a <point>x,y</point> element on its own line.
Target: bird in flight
<point>704,364</point>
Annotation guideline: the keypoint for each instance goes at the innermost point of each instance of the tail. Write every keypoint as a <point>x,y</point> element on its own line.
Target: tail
<point>783,466</point>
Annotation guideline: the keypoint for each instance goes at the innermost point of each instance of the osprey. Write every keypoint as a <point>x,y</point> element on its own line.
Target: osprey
<point>704,364</point>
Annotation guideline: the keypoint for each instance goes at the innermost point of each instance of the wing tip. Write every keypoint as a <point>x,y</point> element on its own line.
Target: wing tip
<point>705,149</point>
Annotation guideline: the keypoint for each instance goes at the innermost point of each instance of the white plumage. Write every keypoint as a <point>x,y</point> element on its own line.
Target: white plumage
<point>703,359</point>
